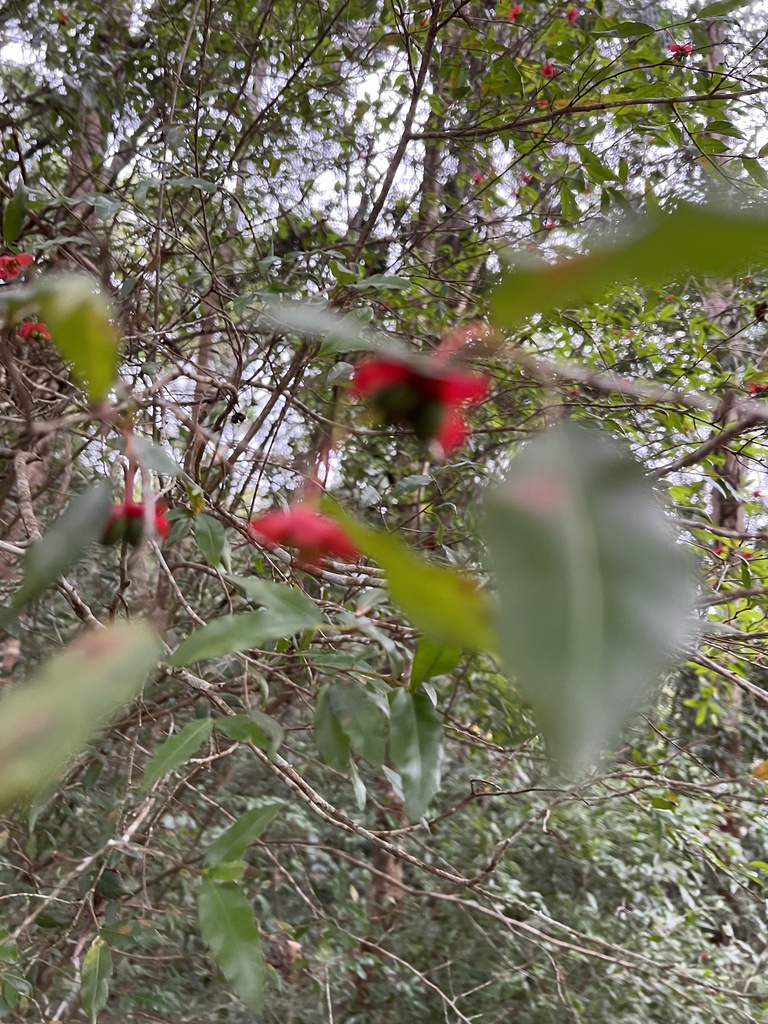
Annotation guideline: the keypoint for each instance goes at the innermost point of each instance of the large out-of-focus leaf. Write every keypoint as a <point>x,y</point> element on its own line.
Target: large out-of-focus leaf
<point>447,605</point>
<point>231,633</point>
<point>415,748</point>
<point>594,592</point>
<point>94,979</point>
<point>233,843</point>
<point>694,239</point>
<point>48,719</point>
<point>83,331</point>
<point>62,546</point>
<point>361,718</point>
<point>177,750</point>
<point>228,927</point>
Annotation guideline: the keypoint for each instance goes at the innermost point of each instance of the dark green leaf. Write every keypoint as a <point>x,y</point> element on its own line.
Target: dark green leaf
<point>228,927</point>
<point>49,719</point>
<point>233,843</point>
<point>211,538</point>
<point>432,659</point>
<point>94,980</point>
<point>720,7</point>
<point>255,727</point>
<point>15,214</point>
<point>177,750</point>
<point>595,593</point>
<point>152,456</point>
<point>332,741</point>
<point>361,719</point>
<point>279,598</point>
<point>415,748</point>
<point>240,632</point>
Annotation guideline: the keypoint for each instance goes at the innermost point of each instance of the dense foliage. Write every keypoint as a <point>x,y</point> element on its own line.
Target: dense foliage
<point>286,289</point>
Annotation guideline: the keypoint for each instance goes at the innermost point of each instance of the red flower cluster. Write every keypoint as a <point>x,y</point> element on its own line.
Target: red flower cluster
<point>126,522</point>
<point>513,12</point>
<point>548,70</point>
<point>302,527</point>
<point>757,389</point>
<point>571,15</point>
<point>681,48</point>
<point>34,331</point>
<point>426,396</point>
<point>12,266</point>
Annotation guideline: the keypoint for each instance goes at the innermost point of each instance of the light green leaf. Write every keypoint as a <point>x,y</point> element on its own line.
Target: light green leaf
<point>239,632</point>
<point>415,748</point>
<point>360,718</point>
<point>152,456</point>
<point>15,214</point>
<point>432,659</point>
<point>279,598</point>
<point>445,604</point>
<point>332,741</point>
<point>177,750</point>
<point>233,843</point>
<point>81,523</point>
<point>255,727</point>
<point>694,239</point>
<point>49,719</point>
<point>211,538</point>
<point>94,980</point>
<point>228,927</point>
<point>595,594</point>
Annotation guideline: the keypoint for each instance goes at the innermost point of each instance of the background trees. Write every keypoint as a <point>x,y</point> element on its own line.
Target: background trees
<point>265,192</point>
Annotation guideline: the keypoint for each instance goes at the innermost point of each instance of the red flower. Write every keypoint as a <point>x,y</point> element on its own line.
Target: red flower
<point>527,179</point>
<point>680,48</point>
<point>514,11</point>
<point>756,389</point>
<point>427,396</point>
<point>62,17</point>
<point>571,15</point>
<point>718,551</point>
<point>549,225</point>
<point>34,331</point>
<point>755,494</point>
<point>302,527</point>
<point>126,522</point>
<point>548,70</point>
<point>11,266</point>
<point>477,178</point>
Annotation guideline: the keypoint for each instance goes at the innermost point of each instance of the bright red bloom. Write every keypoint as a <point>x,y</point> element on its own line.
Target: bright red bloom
<point>477,178</point>
<point>680,48</point>
<point>571,15</point>
<point>756,389</point>
<point>527,179</point>
<point>11,266</point>
<point>426,396</point>
<point>303,527</point>
<point>514,11</point>
<point>718,551</point>
<point>548,70</point>
<point>126,522</point>
<point>755,494</point>
<point>34,331</point>
<point>549,225</point>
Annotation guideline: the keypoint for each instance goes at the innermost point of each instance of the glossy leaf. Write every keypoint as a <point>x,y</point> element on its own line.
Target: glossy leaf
<point>62,546</point>
<point>360,718</point>
<point>432,659</point>
<point>211,538</point>
<point>50,718</point>
<point>94,981</point>
<point>415,748</point>
<point>233,843</point>
<point>240,632</point>
<point>332,741</point>
<point>255,727</point>
<point>228,927</point>
<point>595,593</point>
<point>15,214</point>
<point>445,604</point>
<point>177,750</point>
<point>701,240</point>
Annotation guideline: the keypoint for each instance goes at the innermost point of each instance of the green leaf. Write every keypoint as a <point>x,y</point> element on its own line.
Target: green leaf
<point>332,741</point>
<point>432,659</point>
<point>240,632</point>
<point>409,484</point>
<point>381,282</point>
<point>81,523</point>
<point>255,727</point>
<point>279,598</point>
<point>445,604</point>
<point>49,719</point>
<point>228,927</point>
<point>15,214</point>
<point>696,239</point>
<point>233,843</point>
<point>595,594</point>
<point>177,750</point>
<point>94,980</point>
<point>361,719</point>
<point>211,538</point>
<point>152,456</point>
<point>415,748</point>
<point>81,323</point>
<point>720,7</point>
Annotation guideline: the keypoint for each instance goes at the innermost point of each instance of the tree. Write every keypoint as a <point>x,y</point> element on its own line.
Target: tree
<point>375,381</point>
